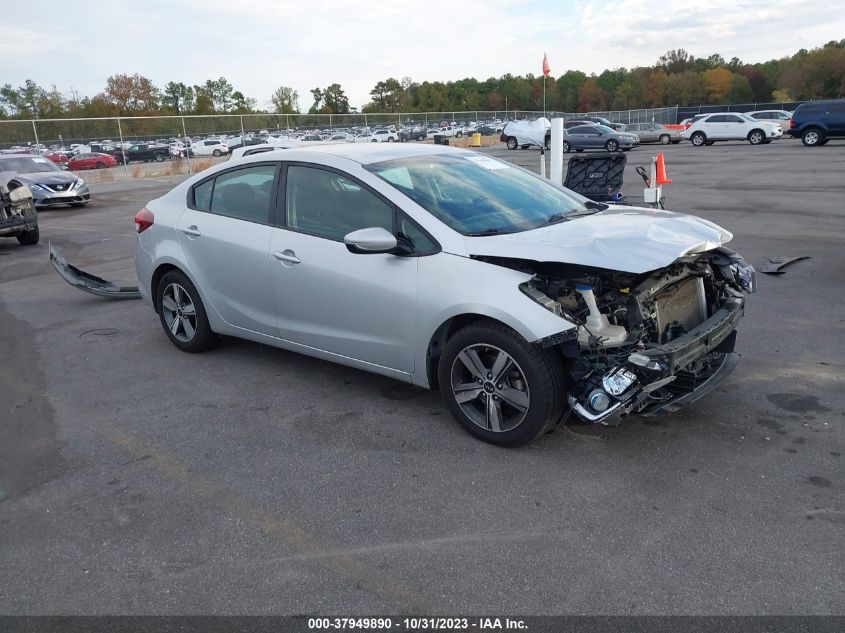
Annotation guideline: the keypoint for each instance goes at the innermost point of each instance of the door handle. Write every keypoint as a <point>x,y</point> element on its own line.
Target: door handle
<point>287,256</point>
<point>192,230</point>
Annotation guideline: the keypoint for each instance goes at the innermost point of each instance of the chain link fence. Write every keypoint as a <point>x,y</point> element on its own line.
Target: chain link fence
<point>60,139</point>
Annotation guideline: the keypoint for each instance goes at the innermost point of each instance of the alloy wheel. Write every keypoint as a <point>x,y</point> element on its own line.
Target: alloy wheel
<point>490,388</point>
<point>179,312</point>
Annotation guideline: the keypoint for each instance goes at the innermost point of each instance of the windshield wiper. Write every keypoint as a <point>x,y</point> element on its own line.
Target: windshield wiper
<point>557,217</point>
<point>490,231</point>
<point>598,206</point>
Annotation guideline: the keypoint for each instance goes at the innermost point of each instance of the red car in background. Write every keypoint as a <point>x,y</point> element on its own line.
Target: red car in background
<point>91,161</point>
<point>60,158</point>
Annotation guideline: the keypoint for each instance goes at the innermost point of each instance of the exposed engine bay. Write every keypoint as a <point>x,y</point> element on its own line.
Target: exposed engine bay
<point>645,343</point>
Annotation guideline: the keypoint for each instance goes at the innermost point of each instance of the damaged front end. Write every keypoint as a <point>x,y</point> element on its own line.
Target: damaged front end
<point>646,343</point>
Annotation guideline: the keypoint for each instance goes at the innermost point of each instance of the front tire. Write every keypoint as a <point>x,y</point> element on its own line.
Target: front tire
<point>698,139</point>
<point>512,144</point>
<point>159,158</point>
<point>29,238</point>
<point>611,146</point>
<point>665,139</point>
<point>812,137</point>
<point>567,147</point>
<point>756,137</point>
<point>499,387</point>
<point>182,313</point>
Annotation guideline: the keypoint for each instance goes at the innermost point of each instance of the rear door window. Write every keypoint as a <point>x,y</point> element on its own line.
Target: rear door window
<point>244,194</point>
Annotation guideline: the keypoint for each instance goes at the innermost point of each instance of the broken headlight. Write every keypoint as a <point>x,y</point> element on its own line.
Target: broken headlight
<point>744,274</point>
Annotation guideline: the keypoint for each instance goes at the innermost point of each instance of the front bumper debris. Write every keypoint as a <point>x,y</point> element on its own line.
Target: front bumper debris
<point>88,282</point>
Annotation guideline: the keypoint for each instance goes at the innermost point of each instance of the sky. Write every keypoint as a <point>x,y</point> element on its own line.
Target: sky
<point>259,45</point>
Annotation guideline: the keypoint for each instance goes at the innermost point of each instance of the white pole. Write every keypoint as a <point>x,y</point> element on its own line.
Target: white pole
<point>556,170</point>
<point>187,146</point>
<point>122,148</point>
<point>542,161</point>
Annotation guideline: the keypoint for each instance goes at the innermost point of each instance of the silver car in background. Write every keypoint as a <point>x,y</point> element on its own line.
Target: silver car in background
<point>521,301</point>
<point>50,185</point>
<point>655,133</point>
<point>597,136</point>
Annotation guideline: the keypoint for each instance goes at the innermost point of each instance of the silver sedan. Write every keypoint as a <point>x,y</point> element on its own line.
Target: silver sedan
<point>521,301</point>
<point>655,133</point>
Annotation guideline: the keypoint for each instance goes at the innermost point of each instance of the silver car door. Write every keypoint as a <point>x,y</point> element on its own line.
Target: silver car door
<point>361,306</point>
<point>225,235</point>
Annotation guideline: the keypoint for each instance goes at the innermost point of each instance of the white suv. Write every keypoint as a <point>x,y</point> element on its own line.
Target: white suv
<point>385,136</point>
<point>732,126</point>
<point>209,148</point>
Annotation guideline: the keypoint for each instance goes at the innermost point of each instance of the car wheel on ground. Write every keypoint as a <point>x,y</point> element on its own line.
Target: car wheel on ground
<point>548,143</point>
<point>665,139</point>
<point>512,144</point>
<point>182,313</point>
<point>755,137</point>
<point>698,139</point>
<point>498,386</point>
<point>812,136</point>
<point>159,158</point>
<point>217,152</point>
<point>28,238</point>
<point>611,145</point>
<point>100,165</point>
<point>566,147</point>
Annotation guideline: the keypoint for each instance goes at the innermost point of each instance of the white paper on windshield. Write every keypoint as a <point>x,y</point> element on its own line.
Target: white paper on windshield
<point>487,163</point>
<point>40,160</point>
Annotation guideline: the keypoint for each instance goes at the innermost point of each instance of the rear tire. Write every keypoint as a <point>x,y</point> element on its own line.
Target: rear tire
<point>566,147</point>
<point>159,158</point>
<point>665,139</point>
<point>29,238</point>
<point>182,313</point>
<point>512,144</point>
<point>521,393</point>
<point>100,165</point>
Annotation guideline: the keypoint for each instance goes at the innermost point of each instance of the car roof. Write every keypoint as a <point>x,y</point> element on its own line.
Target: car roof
<point>366,153</point>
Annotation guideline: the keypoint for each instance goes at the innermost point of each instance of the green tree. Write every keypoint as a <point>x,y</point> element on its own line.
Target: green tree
<point>178,98</point>
<point>285,100</point>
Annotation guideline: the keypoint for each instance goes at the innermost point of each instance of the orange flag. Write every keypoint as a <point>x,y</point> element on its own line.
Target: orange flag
<point>546,69</point>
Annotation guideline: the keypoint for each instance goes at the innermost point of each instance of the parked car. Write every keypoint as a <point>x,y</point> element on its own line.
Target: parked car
<point>524,134</point>
<point>731,126</point>
<point>600,120</point>
<point>595,136</point>
<point>385,136</point>
<point>50,185</point>
<point>209,147</point>
<point>412,134</point>
<point>778,116</point>
<point>654,133</point>
<point>688,122</point>
<point>60,158</point>
<point>142,152</point>
<point>365,137</point>
<point>817,122</point>
<point>446,269</point>
<point>91,161</point>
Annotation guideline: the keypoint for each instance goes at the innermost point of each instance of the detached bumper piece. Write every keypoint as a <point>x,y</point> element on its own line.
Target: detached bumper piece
<point>90,283</point>
<point>662,379</point>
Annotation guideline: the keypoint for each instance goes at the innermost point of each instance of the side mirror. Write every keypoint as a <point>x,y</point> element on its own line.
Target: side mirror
<point>370,241</point>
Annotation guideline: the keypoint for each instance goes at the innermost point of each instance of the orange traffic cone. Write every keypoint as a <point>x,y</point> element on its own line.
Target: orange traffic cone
<point>661,179</point>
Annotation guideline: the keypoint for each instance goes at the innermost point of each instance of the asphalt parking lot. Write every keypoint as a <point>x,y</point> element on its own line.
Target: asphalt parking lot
<point>135,478</point>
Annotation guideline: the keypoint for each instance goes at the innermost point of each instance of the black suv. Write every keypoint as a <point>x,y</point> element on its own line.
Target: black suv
<point>817,122</point>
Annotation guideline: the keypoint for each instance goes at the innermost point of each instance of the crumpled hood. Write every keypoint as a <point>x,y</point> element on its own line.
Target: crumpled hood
<point>626,239</point>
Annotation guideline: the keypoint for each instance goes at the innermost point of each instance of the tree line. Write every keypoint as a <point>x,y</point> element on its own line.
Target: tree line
<point>677,78</point>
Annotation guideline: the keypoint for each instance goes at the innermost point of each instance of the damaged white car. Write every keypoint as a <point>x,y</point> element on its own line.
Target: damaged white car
<point>521,301</point>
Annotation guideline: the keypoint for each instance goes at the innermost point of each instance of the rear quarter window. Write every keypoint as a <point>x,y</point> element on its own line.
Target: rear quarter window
<point>809,110</point>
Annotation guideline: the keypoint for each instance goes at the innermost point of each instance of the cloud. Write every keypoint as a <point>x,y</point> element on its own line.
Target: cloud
<point>261,44</point>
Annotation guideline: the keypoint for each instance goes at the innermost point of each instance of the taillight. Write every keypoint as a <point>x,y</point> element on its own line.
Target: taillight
<point>144,219</point>
<point>791,124</point>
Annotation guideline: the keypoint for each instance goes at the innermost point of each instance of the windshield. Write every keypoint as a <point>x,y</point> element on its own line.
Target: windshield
<point>27,164</point>
<point>475,194</point>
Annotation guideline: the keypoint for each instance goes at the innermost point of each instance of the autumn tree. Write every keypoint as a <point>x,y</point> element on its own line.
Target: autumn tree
<point>717,83</point>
